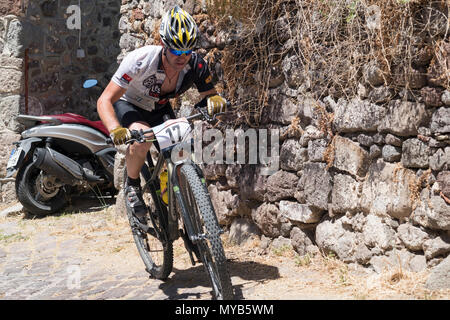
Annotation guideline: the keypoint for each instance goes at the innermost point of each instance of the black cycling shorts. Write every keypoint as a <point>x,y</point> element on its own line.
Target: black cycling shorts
<point>127,113</point>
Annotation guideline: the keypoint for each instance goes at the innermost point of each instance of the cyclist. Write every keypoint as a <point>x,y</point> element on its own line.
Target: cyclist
<point>138,94</point>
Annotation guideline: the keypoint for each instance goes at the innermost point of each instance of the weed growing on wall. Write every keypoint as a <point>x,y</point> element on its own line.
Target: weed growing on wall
<point>339,45</point>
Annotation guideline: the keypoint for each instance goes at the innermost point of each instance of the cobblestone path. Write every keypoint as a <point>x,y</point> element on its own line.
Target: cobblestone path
<point>91,255</point>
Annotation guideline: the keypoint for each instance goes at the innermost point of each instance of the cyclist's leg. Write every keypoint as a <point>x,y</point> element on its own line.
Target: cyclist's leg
<point>137,152</point>
<point>133,118</point>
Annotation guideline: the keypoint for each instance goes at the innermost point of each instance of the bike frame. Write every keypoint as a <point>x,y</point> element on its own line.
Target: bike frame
<point>169,216</point>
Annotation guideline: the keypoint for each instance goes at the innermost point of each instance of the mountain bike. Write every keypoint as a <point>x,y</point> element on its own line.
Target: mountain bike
<point>188,213</point>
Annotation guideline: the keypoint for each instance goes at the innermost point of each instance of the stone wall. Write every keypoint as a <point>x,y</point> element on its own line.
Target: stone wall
<point>56,73</point>
<point>11,87</point>
<point>39,30</point>
<point>365,178</point>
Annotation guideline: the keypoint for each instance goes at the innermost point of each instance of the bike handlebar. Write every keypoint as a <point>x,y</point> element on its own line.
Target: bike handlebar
<point>140,135</point>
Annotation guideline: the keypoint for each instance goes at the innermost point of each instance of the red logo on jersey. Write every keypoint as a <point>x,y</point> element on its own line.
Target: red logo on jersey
<point>127,78</point>
<point>200,65</point>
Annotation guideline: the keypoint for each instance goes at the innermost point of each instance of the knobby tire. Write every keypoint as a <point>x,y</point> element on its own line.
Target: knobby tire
<point>201,211</point>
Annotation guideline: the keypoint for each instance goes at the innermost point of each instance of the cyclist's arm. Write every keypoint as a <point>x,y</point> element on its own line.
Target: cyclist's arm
<point>105,109</point>
<point>130,67</point>
<point>205,94</point>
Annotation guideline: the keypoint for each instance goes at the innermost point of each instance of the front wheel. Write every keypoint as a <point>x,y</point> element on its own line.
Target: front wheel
<point>207,229</point>
<point>38,192</point>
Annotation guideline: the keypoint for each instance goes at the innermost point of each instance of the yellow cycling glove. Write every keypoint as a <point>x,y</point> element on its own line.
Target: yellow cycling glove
<point>120,135</point>
<point>216,104</point>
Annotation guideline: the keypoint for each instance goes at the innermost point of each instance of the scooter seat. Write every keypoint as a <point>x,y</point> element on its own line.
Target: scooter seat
<point>72,118</point>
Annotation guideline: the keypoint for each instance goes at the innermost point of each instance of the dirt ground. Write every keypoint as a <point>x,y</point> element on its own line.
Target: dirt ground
<point>99,243</point>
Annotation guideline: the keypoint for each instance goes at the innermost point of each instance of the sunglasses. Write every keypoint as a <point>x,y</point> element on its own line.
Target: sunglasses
<point>180,52</point>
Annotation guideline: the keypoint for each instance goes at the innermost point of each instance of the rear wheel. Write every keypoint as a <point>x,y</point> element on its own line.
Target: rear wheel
<point>209,244</point>
<point>156,253</point>
<point>38,192</point>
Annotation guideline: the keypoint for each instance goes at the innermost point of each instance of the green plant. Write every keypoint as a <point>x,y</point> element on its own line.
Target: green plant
<point>8,238</point>
<point>352,11</point>
<point>282,250</point>
<point>343,277</point>
<point>303,261</point>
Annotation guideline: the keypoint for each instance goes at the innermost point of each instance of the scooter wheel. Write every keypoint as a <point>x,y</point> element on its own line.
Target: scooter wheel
<point>31,197</point>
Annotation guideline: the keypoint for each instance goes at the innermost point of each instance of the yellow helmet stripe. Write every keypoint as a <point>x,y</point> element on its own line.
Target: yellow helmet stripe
<point>188,35</point>
<point>180,33</point>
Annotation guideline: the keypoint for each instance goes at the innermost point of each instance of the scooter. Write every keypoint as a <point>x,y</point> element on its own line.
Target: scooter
<point>60,156</point>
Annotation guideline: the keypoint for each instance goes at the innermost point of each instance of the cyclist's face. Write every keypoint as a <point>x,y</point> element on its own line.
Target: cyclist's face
<point>177,62</point>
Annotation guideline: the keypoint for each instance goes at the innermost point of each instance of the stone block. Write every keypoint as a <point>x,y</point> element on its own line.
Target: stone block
<point>7,137</point>
<point>332,236</point>
<point>316,185</point>
<point>316,150</point>
<point>301,243</point>
<point>440,121</point>
<point>292,155</point>
<point>378,234</point>
<point>415,154</point>
<point>10,107</point>
<point>350,157</point>
<point>357,115</point>
<point>440,276</point>
<point>432,212</point>
<point>266,218</point>
<point>14,40</point>
<point>346,194</point>
<point>300,213</point>
<point>11,81</point>
<point>7,62</point>
<point>413,237</point>
<point>403,118</point>
<point>386,190</point>
<point>391,153</point>
<point>281,185</point>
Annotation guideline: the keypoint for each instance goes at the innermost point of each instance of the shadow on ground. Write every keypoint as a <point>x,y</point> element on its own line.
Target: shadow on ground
<point>195,278</point>
<point>77,204</point>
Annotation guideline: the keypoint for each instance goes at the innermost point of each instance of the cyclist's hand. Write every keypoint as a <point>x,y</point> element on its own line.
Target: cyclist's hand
<point>120,135</point>
<point>216,104</point>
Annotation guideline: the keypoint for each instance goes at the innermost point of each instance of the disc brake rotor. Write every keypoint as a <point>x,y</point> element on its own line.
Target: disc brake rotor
<point>46,186</point>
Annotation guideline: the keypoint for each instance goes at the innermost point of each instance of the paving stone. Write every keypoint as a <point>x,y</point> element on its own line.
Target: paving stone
<point>132,283</point>
<point>13,270</point>
<point>101,288</point>
<point>116,293</point>
<point>47,246</point>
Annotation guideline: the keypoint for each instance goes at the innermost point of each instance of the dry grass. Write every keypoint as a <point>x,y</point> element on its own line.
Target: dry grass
<point>334,42</point>
<point>415,184</point>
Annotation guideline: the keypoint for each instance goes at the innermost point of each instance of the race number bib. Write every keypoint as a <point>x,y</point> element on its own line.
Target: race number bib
<point>172,132</point>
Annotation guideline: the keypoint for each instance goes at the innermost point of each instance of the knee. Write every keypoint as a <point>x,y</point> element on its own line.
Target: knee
<point>139,149</point>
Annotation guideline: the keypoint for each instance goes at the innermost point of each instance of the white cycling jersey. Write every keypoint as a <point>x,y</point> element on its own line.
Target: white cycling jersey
<point>142,74</point>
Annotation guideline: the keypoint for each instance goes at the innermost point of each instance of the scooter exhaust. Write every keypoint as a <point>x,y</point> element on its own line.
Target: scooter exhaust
<point>65,169</point>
